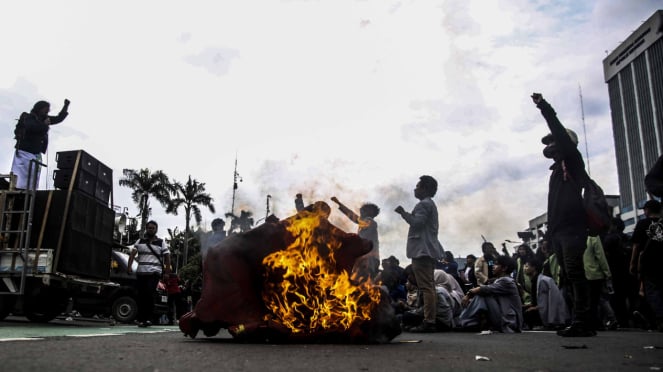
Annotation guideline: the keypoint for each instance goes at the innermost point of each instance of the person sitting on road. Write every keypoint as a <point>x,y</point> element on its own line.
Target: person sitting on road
<point>548,308</point>
<point>413,317</point>
<point>483,268</point>
<point>498,303</point>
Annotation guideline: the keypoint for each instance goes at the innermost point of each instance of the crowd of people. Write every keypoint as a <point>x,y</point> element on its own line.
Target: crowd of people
<point>577,282</point>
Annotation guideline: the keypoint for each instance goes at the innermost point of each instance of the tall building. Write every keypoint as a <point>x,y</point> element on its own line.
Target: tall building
<point>634,74</point>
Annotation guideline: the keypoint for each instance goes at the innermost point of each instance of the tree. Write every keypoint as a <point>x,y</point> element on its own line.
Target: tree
<point>243,223</point>
<point>190,196</point>
<point>145,184</point>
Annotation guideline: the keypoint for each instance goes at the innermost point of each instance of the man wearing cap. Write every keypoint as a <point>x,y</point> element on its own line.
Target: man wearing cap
<point>647,257</point>
<point>567,223</point>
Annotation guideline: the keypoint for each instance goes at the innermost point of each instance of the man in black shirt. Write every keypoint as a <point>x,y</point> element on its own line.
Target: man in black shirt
<point>567,221</point>
<point>647,257</point>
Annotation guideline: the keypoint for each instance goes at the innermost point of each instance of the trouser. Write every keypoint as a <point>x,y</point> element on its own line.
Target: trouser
<point>146,285</point>
<point>423,269</point>
<point>176,306</point>
<point>654,296</point>
<point>24,166</point>
<point>570,248</point>
<point>600,308</point>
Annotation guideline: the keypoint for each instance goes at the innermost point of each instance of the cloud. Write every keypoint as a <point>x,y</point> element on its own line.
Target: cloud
<point>216,60</point>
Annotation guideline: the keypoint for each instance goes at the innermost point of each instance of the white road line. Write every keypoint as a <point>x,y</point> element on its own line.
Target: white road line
<point>97,335</point>
<point>21,339</point>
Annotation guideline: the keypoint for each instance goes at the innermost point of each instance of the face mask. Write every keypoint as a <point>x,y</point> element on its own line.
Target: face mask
<point>549,151</point>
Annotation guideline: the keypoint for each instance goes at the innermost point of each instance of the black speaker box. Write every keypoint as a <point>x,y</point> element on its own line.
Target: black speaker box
<point>85,181</point>
<point>67,160</point>
<point>88,232</point>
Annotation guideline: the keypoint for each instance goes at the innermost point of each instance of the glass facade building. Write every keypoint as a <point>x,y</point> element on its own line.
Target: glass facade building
<point>634,75</point>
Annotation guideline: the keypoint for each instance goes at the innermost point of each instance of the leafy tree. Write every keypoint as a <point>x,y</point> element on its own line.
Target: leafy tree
<point>242,223</point>
<point>145,184</point>
<point>190,195</point>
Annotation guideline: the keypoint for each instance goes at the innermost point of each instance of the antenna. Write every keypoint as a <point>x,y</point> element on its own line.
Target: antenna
<point>236,177</point>
<point>584,130</point>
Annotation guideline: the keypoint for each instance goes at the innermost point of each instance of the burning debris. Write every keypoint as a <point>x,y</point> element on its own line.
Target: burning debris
<point>299,279</point>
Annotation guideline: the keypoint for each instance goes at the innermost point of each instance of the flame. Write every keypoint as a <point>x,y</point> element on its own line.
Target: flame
<point>304,291</point>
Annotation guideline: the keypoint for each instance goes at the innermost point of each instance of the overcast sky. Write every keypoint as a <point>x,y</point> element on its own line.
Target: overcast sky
<point>353,99</point>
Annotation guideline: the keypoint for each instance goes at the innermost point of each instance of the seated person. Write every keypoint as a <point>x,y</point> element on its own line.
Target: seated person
<point>498,303</point>
<point>413,315</point>
<point>453,288</point>
<point>548,306</point>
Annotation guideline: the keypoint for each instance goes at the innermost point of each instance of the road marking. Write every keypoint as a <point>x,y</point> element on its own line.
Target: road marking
<point>97,335</point>
<point>21,339</point>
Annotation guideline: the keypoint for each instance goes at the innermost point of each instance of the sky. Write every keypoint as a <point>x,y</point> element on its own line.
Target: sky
<point>353,99</point>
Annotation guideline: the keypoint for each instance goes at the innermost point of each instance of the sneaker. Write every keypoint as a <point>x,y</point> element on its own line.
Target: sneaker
<point>424,327</point>
<point>576,330</point>
<point>148,323</point>
<point>142,324</point>
<point>612,325</point>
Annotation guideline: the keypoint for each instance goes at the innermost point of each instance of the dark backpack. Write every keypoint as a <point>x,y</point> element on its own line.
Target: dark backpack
<point>596,208</point>
<point>19,130</point>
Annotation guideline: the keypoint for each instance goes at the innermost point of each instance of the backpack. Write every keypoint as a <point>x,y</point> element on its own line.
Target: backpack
<point>19,130</point>
<point>596,208</point>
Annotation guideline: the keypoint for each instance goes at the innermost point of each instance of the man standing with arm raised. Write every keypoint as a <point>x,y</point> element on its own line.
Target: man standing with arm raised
<point>567,221</point>
<point>423,246</point>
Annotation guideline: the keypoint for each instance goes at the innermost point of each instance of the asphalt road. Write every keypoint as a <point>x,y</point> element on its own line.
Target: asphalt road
<point>97,346</point>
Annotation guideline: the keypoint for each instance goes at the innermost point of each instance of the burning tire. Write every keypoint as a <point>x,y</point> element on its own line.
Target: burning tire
<point>124,309</point>
<point>294,280</point>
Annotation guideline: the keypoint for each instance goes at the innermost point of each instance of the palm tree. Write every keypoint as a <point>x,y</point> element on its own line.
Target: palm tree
<point>190,195</point>
<point>145,184</point>
<point>243,223</point>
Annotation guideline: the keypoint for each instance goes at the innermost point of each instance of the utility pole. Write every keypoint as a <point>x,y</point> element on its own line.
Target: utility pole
<point>267,212</point>
<point>584,129</point>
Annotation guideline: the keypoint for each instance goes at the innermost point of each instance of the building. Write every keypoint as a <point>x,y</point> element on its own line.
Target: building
<point>539,224</point>
<point>634,74</point>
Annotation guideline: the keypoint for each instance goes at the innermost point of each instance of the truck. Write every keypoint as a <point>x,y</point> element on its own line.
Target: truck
<point>58,246</point>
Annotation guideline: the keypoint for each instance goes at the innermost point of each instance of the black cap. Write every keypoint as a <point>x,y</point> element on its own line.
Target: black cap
<point>653,206</point>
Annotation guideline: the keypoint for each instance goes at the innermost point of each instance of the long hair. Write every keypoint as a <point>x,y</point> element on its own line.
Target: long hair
<point>40,105</point>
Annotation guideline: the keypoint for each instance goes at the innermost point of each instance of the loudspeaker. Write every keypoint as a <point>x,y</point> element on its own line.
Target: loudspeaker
<point>92,176</point>
<point>85,181</point>
<point>88,232</point>
<point>67,160</point>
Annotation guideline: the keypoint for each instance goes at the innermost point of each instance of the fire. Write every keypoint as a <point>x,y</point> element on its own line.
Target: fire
<point>305,291</point>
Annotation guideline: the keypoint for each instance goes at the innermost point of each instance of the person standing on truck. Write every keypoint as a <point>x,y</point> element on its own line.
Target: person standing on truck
<point>31,136</point>
<point>153,257</point>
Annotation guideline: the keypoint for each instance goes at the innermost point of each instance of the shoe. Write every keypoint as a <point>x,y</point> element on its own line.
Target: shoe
<point>424,327</point>
<point>576,330</point>
<point>142,324</point>
<point>148,323</point>
<point>612,325</point>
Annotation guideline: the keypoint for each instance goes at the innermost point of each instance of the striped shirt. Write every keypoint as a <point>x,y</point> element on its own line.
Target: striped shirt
<point>148,262</point>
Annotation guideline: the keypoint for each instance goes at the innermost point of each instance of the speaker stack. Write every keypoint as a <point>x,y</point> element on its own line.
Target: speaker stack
<point>76,221</point>
<point>90,176</point>
<point>85,237</point>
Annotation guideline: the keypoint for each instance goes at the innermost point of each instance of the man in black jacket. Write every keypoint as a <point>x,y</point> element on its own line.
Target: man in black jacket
<point>31,136</point>
<point>567,221</point>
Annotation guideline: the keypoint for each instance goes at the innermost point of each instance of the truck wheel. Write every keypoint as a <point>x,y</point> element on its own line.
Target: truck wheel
<point>41,313</point>
<point>43,305</point>
<point>124,309</point>
<point>6,306</point>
